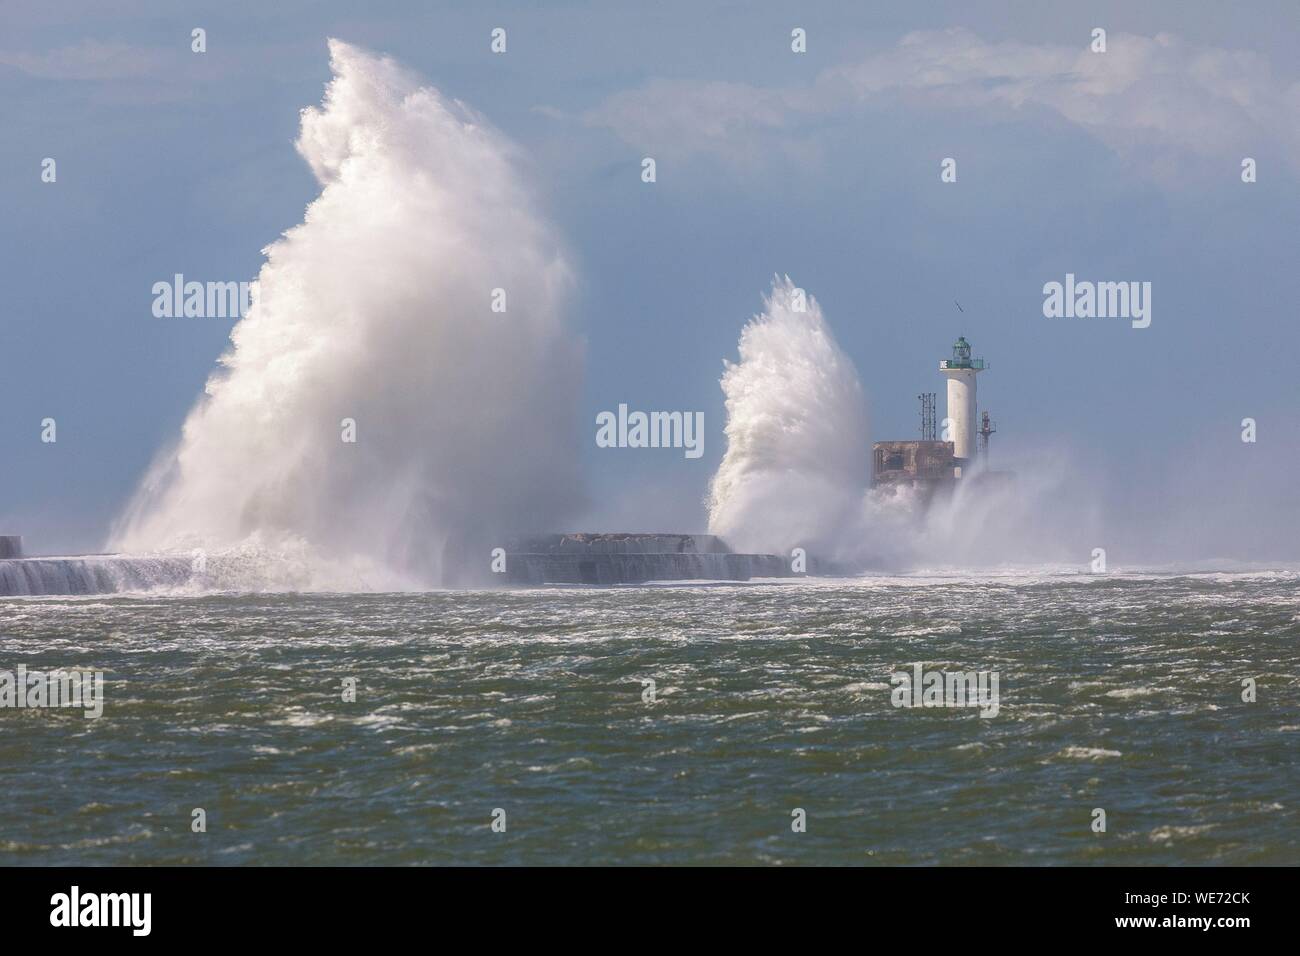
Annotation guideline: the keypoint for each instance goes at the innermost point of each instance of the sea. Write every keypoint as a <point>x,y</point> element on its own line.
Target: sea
<point>1148,718</point>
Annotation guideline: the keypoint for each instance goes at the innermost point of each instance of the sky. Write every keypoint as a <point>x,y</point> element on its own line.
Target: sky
<point>1123,165</point>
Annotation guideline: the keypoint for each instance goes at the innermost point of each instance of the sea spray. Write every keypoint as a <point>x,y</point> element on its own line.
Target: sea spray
<point>376,313</point>
<point>796,464</point>
<point>796,473</point>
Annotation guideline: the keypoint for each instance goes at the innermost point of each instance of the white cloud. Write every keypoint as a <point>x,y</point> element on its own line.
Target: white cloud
<point>1144,93</point>
<point>87,60</point>
<point>711,115</point>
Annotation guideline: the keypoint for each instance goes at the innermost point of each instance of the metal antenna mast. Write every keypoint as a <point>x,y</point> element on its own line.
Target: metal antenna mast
<point>928,420</point>
<point>987,428</point>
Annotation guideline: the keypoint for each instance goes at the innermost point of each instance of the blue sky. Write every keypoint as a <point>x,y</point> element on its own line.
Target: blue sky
<point>823,165</point>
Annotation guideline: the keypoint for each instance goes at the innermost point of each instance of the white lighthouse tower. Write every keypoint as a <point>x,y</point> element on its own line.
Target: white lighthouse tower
<point>960,371</point>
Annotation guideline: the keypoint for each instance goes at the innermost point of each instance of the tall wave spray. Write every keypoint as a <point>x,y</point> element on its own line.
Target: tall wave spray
<point>796,465</point>
<point>378,309</point>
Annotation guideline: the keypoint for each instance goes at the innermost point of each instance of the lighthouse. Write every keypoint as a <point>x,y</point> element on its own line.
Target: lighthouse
<point>960,371</point>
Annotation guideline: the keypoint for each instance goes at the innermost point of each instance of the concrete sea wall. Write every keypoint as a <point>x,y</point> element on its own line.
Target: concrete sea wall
<point>622,558</point>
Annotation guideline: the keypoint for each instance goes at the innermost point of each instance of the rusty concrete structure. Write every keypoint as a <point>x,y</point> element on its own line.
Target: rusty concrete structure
<point>912,462</point>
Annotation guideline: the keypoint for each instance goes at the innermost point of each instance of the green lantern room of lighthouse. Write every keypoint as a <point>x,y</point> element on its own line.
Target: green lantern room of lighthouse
<point>961,356</point>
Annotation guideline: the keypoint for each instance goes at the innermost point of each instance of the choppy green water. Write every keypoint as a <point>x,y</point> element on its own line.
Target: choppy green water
<point>1122,693</point>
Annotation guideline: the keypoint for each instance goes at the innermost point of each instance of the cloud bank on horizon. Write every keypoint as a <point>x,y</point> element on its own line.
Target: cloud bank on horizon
<point>1159,92</point>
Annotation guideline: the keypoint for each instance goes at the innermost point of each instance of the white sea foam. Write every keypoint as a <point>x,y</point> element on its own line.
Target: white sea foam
<point>1088,753</point>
